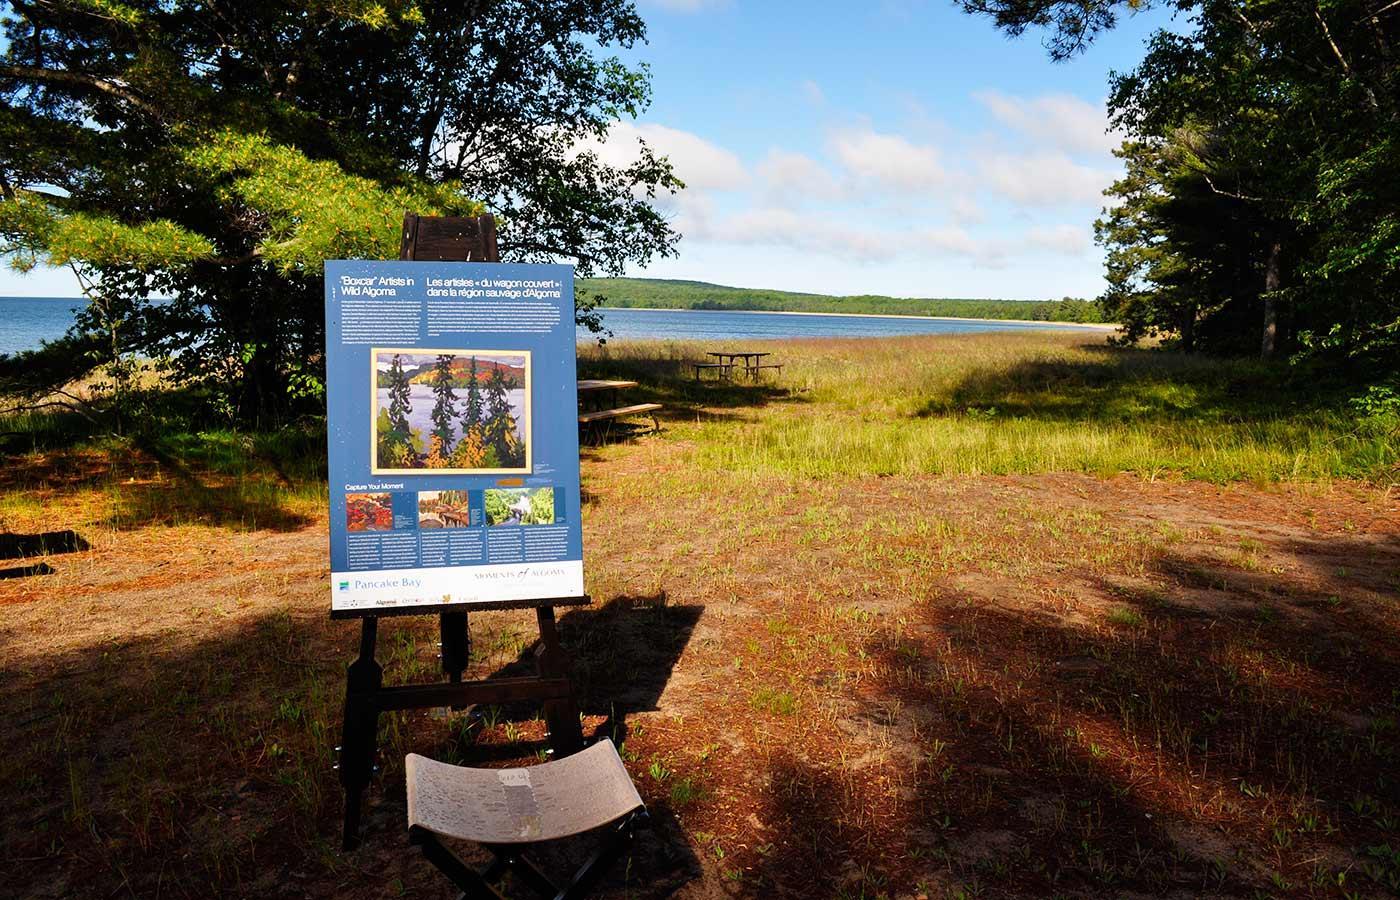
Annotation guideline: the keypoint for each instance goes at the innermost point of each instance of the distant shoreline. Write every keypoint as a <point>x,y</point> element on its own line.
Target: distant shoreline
<point>1093,326</point>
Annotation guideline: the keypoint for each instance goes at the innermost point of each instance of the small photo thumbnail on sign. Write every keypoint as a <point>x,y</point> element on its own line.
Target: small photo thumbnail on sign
<point>519,506</point>
<point>369,512</point>
<point>443,509</point>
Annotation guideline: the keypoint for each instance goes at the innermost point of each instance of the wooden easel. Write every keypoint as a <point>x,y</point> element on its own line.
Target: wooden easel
<point>457,240</point>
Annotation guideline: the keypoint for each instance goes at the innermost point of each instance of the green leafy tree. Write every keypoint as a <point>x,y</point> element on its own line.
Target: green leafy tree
<point>1280,119</point>
<point>395,449</point>
<point>215,153</point>
<point>1183,261</point>
<point>444,402</point>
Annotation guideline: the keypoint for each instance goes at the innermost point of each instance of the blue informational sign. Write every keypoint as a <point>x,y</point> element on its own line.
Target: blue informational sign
<point>452,408</point>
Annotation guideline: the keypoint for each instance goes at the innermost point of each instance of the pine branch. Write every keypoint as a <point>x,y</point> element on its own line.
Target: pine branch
<point>111,87</point>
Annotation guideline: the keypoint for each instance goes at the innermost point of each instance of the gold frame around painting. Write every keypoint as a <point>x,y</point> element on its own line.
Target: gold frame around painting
<point>528,431</point>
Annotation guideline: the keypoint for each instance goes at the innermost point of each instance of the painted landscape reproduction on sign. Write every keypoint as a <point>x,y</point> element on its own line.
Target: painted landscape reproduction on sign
<point>451,411</point>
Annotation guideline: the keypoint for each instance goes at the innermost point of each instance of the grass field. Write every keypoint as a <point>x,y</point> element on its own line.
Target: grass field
<point>1002,616</point>
<point>1020,403</point>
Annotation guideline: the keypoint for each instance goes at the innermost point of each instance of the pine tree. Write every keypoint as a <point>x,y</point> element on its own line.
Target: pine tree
<point>497,398</point>
<point>444,410</point>
<point>472,415</point>
<point>188,151</point>
<point>500,427</point>
<point>399,401</point>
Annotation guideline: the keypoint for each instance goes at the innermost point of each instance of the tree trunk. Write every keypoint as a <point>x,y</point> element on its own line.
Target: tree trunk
<point>1188,331</point>
<point>1271,285</point>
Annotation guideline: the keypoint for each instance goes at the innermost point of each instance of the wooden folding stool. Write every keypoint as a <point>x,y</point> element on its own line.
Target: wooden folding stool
<point>507,810</point>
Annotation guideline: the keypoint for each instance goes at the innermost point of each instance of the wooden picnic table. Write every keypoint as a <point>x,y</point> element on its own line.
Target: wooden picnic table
<point>602,384</point>
<point>749,358</point>
<point>598,393</point>
<point>594,393</point>
<point>752,362</point>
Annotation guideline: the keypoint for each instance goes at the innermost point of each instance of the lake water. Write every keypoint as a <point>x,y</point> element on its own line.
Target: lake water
<point>704,324</point>
<point>25,321</point>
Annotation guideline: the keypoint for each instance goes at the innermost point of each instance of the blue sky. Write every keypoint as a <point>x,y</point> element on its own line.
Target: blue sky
<point>897,147</point>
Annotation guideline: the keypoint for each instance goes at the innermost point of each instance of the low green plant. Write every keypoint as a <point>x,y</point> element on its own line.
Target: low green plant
<point>1125,616</point>
<point>780,703</point>
<point>685,791</point>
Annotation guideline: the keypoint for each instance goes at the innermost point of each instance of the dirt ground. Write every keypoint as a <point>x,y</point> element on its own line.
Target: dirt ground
<point>902,686</point>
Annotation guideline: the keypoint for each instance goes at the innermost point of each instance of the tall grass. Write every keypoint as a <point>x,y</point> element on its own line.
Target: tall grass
<point>245,480</point>
<point>1018,403</point>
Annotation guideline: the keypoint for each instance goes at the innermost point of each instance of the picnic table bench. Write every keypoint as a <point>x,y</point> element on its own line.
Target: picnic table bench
<point>723,370</point>
<point>752,361</point>
<point>593,393</point>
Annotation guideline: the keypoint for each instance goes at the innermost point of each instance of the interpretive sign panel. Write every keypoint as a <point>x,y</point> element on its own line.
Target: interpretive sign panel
<point>452,409</point>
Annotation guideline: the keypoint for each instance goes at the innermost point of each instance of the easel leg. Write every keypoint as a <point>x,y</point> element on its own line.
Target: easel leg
<point>456,645</point>
<point>357,743</point>
<point>561,716</point>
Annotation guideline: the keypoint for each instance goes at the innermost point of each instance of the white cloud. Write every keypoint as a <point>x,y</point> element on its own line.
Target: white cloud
<point>703,166</point>
<point>889,160</point>
<point>814,233</point>
<point>966,211</point>
<point>1043,179</point>
<point>875,197</point>
<point>797,179</point>
<point>952,241</point>
<point>830,237</point>
<point>1066,240</point>
<point>1063,121</point>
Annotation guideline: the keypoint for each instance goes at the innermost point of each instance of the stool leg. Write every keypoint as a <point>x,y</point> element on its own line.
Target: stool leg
<point>459,873</point>
<point>616,844</point>
<point>508,857</point>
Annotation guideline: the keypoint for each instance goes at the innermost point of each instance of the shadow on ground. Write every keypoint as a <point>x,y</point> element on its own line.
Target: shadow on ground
<point>229,480</point>
<point>622,655</point>
<point>1224,733</point>
<point>22,546</point>
<point>100,792</point>
<point>1126,384</point>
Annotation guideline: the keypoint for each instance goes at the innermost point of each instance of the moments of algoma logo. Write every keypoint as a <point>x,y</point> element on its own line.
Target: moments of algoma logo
<point>526,572</point>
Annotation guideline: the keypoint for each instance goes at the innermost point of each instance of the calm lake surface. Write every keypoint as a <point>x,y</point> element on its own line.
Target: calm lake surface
<point>702,324</point>
<point>25,321</point>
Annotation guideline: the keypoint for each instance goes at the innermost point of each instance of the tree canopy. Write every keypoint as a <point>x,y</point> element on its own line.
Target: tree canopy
<point>1260,209</point>
<point>213,154</point>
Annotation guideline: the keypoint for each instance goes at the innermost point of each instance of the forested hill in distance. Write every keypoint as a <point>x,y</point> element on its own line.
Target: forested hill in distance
<point>662,293</point>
